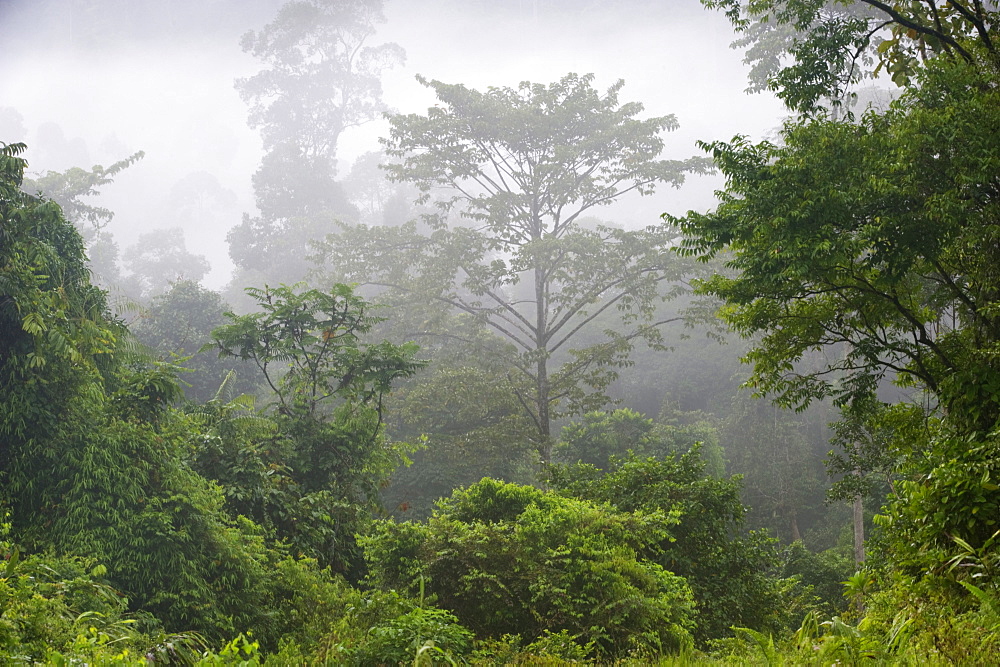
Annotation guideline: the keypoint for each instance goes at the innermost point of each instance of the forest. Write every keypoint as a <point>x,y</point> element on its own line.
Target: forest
<point>451,408</point>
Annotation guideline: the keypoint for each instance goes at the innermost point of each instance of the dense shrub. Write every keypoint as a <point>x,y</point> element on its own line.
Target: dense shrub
<point>598,437</point>
<point>62,608</point>
<point>510,559</point>
<point>821,576</point>
<point>727,571</point>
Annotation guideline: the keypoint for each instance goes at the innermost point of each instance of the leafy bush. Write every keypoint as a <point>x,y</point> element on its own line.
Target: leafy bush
<point>727,572</point>
<point>422,630</point>
<point>510,559</point>
<point>61,610</point>
<point>329,454</point>
<point>951,489</point>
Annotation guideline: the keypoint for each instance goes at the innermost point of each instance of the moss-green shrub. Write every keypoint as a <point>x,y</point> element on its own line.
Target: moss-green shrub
<point>508,559</point>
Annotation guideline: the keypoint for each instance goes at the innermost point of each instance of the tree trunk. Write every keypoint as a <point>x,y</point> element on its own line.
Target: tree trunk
<point>859,531</point>
<point>542,389</point>
<point>544,427</point>
<point>796,536</point>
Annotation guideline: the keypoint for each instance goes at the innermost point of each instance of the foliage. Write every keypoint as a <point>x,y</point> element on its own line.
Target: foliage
<point>942,506</point>
<point>328,383</point>
<point>520,169</point>
<point>54,334</point>
<point>897,631</point>
<point>251,455</point>
<point>878,236</point>
<point>508,559</point>
<point>235,447</point>
<point>62,608</point>
<point>599,436</point>
<point>808,50</point>
<point>462,409</point>
<point>317,335</point>
<point>378,200</point>
<point>323,467</point>
<point>770,33</point>
<point>46,602</point>
<point>116,490</point>
<point>46,301</point>
<point>557,648</point>
<point>874,243</point>
<point>179,322</point>
<point>893,632</point>
<point>144,394</point>
<point>726,572</point>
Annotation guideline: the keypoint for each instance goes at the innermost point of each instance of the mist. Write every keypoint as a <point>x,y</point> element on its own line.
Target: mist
<point>91,82</point>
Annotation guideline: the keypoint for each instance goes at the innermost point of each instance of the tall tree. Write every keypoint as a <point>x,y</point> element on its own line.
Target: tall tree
<point>328,456</point>
<point>157,259</point>
<point>321,77</point>
<point>881,238</point>
<point>520,168</point>
<point>308,346</point>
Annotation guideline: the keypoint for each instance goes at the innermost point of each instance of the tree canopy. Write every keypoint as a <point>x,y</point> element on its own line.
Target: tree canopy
<point>809,51</point>
<point>510,246</point>
<point>865,250</point>
<point>879,236</point>
<point>322,76</point>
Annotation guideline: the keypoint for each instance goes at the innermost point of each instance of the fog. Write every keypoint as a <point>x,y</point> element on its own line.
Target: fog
<point>92,81</point>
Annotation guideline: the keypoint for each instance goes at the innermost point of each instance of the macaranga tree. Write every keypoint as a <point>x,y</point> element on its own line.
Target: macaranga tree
<point>518,171</point>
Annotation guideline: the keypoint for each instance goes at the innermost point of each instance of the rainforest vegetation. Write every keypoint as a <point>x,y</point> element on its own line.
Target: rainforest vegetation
<point>447,414</point>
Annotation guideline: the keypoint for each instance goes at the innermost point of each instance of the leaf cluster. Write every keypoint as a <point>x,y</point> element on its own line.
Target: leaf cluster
<point>307,343</point>
<point>727,571</point>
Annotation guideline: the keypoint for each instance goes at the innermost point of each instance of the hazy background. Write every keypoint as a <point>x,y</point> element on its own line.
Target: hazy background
<point>87,82</point>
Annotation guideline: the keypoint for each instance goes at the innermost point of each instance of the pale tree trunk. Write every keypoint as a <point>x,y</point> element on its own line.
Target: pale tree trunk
<point>859,532</point>
<point>859,528</point>
<point>544,427</point>
<point>542,389</point>
<point>796,535</point>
